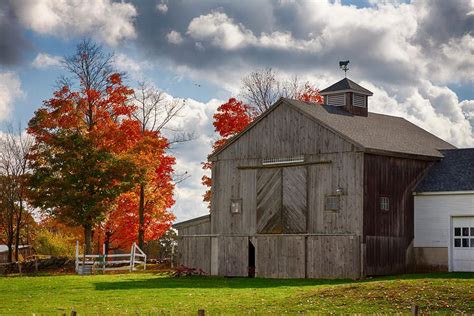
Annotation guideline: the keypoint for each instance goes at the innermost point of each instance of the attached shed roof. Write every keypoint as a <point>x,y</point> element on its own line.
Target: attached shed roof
<point>376,133</point>
<point>4,248</point>
<point>345,84</point>
<point>455,172</point>
<point>193,221</point>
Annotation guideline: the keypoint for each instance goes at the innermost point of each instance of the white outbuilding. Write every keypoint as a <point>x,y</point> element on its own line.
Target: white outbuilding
<point>444,214</point>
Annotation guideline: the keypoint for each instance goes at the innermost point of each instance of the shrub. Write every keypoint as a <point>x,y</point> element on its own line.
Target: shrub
<point>54,243</point>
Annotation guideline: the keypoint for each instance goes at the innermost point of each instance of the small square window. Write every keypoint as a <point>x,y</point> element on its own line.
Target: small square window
<point>465,242</point>
<point>457,242</point>
<point>457,231</point>
<point>235,206</point>
<point>332,203</point>
<point>472,231</point>
<point>472,242</point>
<point>465,231</point>
<point>384,203</point>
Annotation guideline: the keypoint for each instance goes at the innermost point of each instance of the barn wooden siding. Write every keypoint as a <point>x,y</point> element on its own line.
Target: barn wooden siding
<point>277,256</point>
<point>200,226</point>
<point>195,252</point>
<point>388,234</point>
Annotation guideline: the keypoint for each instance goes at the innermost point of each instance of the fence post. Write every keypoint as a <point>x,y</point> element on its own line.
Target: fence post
<point>84,259</point>
<point>132,258</point>
<point>77,256</point>
<point>104,258</point>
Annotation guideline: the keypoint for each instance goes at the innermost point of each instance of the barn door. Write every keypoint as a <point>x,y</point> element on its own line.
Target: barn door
<point>294,208</point>
<point>281,200</point>
<point>269,200</point>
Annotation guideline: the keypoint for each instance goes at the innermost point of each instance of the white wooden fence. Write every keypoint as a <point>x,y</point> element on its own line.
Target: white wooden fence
<point>87,264</point>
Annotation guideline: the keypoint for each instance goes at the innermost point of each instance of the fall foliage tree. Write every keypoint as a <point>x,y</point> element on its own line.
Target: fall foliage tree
<point>79,161</point>
<point>14,214</point>
<point>143,213</point>
<point>120,129</point>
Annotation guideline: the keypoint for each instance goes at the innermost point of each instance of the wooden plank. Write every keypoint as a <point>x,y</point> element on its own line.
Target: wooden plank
<point>294,202</point>
<point>280,256</point>
<point>333,257</point>
<point>236,256</point>
<point>195,252</point>
<point>269,199</point>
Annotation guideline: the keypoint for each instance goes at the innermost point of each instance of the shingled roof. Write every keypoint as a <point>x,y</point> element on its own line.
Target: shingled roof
<point>345,85</point>
<point>375,133</point>
<point>455,172</point>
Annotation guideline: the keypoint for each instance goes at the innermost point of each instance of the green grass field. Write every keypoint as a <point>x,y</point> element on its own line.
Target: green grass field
<point>152,294</point>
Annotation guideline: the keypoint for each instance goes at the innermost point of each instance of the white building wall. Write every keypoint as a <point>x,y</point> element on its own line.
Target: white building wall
<point>433,214</point>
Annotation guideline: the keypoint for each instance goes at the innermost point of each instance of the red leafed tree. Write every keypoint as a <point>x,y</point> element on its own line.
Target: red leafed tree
<point>155,193</point>
<point>79,161</point>
<point>310,93</point>
<point>110,123</point>
<point>231,118</point>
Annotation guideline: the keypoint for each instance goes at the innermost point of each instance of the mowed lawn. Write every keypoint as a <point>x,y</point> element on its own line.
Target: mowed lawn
<point>154,294</point>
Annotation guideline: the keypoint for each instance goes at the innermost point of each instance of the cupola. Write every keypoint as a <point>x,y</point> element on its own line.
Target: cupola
<point>349,95</point>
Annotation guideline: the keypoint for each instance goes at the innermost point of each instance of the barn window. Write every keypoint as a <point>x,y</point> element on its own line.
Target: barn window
<point>235,206</point>
<point>384,203</point>
<point>457,242</point>
<point>359,100</point>
<point>337,99</point>
<point>332,203</point>
<point>279,161</point>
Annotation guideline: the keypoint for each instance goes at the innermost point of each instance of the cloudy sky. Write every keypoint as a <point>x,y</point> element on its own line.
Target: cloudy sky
<point>416,56</point>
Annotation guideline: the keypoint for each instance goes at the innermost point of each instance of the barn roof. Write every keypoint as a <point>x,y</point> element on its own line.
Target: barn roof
<point>376,133</point>
<point>192,221</point>
<point>345,84</point>
<point>455,172</point>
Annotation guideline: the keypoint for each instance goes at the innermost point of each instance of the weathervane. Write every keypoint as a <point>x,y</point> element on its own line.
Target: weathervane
<point>344,66</point>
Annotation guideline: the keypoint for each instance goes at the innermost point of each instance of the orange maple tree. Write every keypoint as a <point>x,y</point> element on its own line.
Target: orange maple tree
<point>155,191</point>
<point>105,157</point>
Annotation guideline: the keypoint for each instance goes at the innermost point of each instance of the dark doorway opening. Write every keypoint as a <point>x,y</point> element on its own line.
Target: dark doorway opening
<point>251,260</point>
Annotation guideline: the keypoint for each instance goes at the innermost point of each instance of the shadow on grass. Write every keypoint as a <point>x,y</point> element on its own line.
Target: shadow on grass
<point>204,282</point>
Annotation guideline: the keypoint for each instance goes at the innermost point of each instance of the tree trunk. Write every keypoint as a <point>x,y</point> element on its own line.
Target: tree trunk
<point>10,251</point>
<point>88,239</point>
<point>18,230</point>
<point>141,217</point>
<point>108,234</point>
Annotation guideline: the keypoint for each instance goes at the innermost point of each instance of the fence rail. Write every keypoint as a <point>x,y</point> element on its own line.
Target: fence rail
<point>87,264</point>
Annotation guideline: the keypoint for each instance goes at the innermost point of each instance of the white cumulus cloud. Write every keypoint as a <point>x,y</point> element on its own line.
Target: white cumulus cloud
<point>174,37</point>
<point>43,61</point>
<point>162,7</point>
<point>10,89</point>
<point>105,20</point>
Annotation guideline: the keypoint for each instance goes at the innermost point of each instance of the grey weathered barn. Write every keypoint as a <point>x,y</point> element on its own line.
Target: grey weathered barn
<point>310,191</point>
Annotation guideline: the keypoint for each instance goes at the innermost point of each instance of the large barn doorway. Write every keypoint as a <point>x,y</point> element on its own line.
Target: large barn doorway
<point>281,200</point>
<point>462,244</point>
<point>251,260</point>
